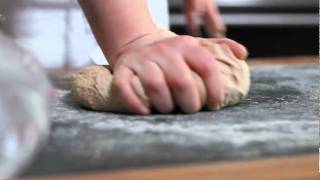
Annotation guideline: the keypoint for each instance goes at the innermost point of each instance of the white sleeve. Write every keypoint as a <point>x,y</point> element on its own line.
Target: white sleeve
<point>159,10</point>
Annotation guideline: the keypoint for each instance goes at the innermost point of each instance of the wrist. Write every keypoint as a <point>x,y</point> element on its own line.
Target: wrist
<point>131,40</point>
<point>157,35</point>
<point>126,40</point>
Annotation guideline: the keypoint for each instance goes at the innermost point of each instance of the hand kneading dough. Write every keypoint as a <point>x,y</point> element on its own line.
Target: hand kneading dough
<point>93,88</point>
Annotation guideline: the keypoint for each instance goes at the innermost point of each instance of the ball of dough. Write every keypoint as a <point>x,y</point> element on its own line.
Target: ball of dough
<point>92,87</point>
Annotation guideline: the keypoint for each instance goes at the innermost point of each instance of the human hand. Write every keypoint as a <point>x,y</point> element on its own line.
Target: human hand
<point>164,63</point>
<point>208,12</point>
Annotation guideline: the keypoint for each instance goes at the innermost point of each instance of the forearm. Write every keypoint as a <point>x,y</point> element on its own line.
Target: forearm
<point>115,23</point>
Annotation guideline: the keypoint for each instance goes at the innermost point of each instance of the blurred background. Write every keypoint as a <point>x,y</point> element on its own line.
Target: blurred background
<point>57,34</point>
<point>267,28</point>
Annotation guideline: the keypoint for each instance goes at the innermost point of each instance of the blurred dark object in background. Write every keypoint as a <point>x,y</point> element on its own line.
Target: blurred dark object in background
<point>267,28</point>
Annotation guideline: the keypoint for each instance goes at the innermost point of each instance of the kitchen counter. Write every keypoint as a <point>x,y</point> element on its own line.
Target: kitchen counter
<point>278,118</point>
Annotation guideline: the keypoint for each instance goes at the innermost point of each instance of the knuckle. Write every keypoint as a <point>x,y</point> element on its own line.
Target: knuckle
<point>193,108</point>
<point>176,64</point>
<point>153,84</point>
<point>205,71</point>
<point>209,66</point>
<point>118,82</point>
<point>144,55</point>
<point>182,83</point>
<point>186,39</point>
<point>161,47</point>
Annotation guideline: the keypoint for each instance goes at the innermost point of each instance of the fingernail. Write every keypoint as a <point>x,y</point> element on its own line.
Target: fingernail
<point>216,107</point>
<point>221,105</point>
<point>144,111</point>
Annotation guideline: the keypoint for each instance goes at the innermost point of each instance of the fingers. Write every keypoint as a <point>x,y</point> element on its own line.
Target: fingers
<point>165,71</point>
<point>239,50</point>
<point>192,17</point>
<point>193,25</point>
<point>122,82</point>
<point>204,64</point>
<point>176,68</point>
<point>178,74</point>
<point>182,84</point>
<point>214,24</point>
<point>155,86</point>
<point>207,12</point>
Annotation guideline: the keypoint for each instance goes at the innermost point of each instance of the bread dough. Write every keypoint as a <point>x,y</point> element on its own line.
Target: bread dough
<point>92,87</point>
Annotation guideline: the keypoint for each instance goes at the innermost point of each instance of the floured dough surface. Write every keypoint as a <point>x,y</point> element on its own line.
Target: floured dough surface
<point>92,87</point>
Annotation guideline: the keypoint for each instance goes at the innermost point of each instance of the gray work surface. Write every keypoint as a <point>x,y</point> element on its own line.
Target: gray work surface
<point>279,117</point>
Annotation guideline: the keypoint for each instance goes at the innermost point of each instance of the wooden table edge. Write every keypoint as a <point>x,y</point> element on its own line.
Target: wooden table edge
<point>304,167</point>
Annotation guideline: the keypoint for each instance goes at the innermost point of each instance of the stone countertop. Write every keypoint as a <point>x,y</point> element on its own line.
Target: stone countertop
<point>279,117</point>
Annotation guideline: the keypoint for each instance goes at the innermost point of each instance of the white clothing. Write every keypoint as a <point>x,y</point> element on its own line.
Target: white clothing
<point>160,13</point>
